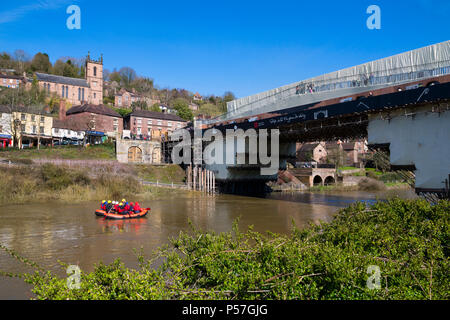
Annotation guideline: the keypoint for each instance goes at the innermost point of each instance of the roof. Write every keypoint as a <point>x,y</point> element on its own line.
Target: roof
<point>22,109</point>
<point>5,76</point>
<point>63,80</point>
<point>92,108</point>
<point>308,147</point>
<point>156,115</point>
<point>133,94</point>
<point>68,124</point>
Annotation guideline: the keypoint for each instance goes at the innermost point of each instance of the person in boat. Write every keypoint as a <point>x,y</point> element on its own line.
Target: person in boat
<point>136,207</point>
<point>116,207</point>
<point>103,205</point>
<point>109,206</point>
<point>131,207</point>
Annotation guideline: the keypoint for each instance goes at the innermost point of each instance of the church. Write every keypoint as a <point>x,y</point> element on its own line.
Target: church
<point>75,90</point>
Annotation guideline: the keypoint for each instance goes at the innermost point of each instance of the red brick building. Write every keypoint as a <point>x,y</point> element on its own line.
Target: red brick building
<point>152,125</point>
<point>97,120</point>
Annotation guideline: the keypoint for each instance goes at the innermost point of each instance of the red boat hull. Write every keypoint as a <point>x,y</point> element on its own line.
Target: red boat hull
<point>116,216</point>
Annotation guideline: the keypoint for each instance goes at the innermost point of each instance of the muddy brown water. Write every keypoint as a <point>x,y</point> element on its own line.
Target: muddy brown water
<point>48,232</point>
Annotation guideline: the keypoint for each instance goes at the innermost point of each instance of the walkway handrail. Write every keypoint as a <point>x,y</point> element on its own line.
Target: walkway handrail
<point>353,81</point>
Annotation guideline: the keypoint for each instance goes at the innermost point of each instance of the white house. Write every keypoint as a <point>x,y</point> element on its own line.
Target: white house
<point>62,132</point>
<point>6,136</point>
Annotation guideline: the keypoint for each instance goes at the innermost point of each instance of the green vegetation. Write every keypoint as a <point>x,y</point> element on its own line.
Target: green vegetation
<point>406,240</point>
<point>25,184</point>
<point>80,180</point>
<point>101,152</point>
<point>347,168</point>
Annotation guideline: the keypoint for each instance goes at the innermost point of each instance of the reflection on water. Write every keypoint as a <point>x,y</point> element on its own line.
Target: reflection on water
<point>71,233</point>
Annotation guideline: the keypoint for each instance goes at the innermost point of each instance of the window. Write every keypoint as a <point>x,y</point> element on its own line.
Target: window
<point>33,129</point>
<point>82,94</point>
<point>139,131</point>
<point>169,124</point>
<point>95,72</point>
<point>62,91</point>
<point>42,119</point>
<point>41,129</point>
<point>67,91</point>
<point>95,95</point>
<point>149,122</point>
<point>22,116</point>
<point>22,128</point>
<point>120,101</point>
<point>116,125</point>
<point>1,128</point>
<point>159,122</point>
<point>56,130</point>
<point>33,117</point>
<point>94,83</point>
<point>79,94</point>
<point>139,121</point>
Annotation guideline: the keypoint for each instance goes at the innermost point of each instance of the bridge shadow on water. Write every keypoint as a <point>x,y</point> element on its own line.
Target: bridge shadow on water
<point>335,200</point>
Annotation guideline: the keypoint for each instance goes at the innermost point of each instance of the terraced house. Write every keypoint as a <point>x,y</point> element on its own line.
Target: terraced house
<point>75,90</point>
<point>31,128</point>
<point>98,121</point>
<point>152,125</point>
<point>6,135</point>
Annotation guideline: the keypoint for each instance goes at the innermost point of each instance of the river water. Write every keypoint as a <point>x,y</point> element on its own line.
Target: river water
<point>48,232</point>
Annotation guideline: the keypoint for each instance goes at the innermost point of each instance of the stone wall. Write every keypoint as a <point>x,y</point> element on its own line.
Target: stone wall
<point>151,151</point>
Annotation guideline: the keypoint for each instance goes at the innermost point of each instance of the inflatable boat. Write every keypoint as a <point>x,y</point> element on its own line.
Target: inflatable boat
<point>118,216</point>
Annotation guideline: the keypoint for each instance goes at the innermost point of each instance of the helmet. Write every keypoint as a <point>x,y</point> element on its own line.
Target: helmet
<point>103,201</point>
<point>123,200</point>
<point>121,204</point>
<point>131,203</point>
<point>109,201</point>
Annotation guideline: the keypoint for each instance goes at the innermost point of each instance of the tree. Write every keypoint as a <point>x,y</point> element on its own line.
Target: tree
<point>127,75</point>
<point>182,108</point>
<point>139,105</point>
<point>41,63</point>
<point>155,107</point>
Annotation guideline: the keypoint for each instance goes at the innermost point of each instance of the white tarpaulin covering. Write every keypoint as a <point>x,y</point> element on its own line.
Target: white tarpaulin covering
<point>417,64</point>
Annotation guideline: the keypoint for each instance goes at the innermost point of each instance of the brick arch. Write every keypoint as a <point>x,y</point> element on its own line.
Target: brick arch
<point>317,180</point>
<point>329,180</point>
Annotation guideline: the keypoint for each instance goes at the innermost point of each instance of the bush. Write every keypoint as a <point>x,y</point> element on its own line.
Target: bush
<point>407,240</point>
<point>368,184</point>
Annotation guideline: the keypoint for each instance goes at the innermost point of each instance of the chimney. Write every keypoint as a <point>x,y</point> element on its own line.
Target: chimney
<point>62,110</point>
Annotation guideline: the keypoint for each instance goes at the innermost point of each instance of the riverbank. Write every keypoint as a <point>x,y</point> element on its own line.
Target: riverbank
<point>390,250</point>
<point>76,181</point>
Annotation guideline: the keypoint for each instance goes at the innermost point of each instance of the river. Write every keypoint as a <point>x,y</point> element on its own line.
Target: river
<point>48,232</point>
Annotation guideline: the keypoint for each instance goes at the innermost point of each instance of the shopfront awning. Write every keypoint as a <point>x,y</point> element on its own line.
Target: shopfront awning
<point>95,133</point>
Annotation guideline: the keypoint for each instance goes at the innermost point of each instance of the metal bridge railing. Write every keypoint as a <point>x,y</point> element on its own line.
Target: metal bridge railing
<point>309,87</point>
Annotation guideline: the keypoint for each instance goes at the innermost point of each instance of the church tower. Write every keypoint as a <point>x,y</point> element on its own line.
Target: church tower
<point>94,77</point>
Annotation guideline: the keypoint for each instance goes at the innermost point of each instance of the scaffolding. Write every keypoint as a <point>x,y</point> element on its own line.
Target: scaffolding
<point>428,62</point>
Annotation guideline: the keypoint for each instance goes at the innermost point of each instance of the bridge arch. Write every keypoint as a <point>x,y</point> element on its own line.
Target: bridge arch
<point>329,180</point>
<point>317,180</point>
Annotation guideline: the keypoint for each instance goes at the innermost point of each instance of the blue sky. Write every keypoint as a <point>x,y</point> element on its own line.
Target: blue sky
<point>214,46</point>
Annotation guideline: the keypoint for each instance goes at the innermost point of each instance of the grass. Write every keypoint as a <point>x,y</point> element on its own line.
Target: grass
<point>100,152</point>
<point>164,173</point>
<point>81,182</point>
